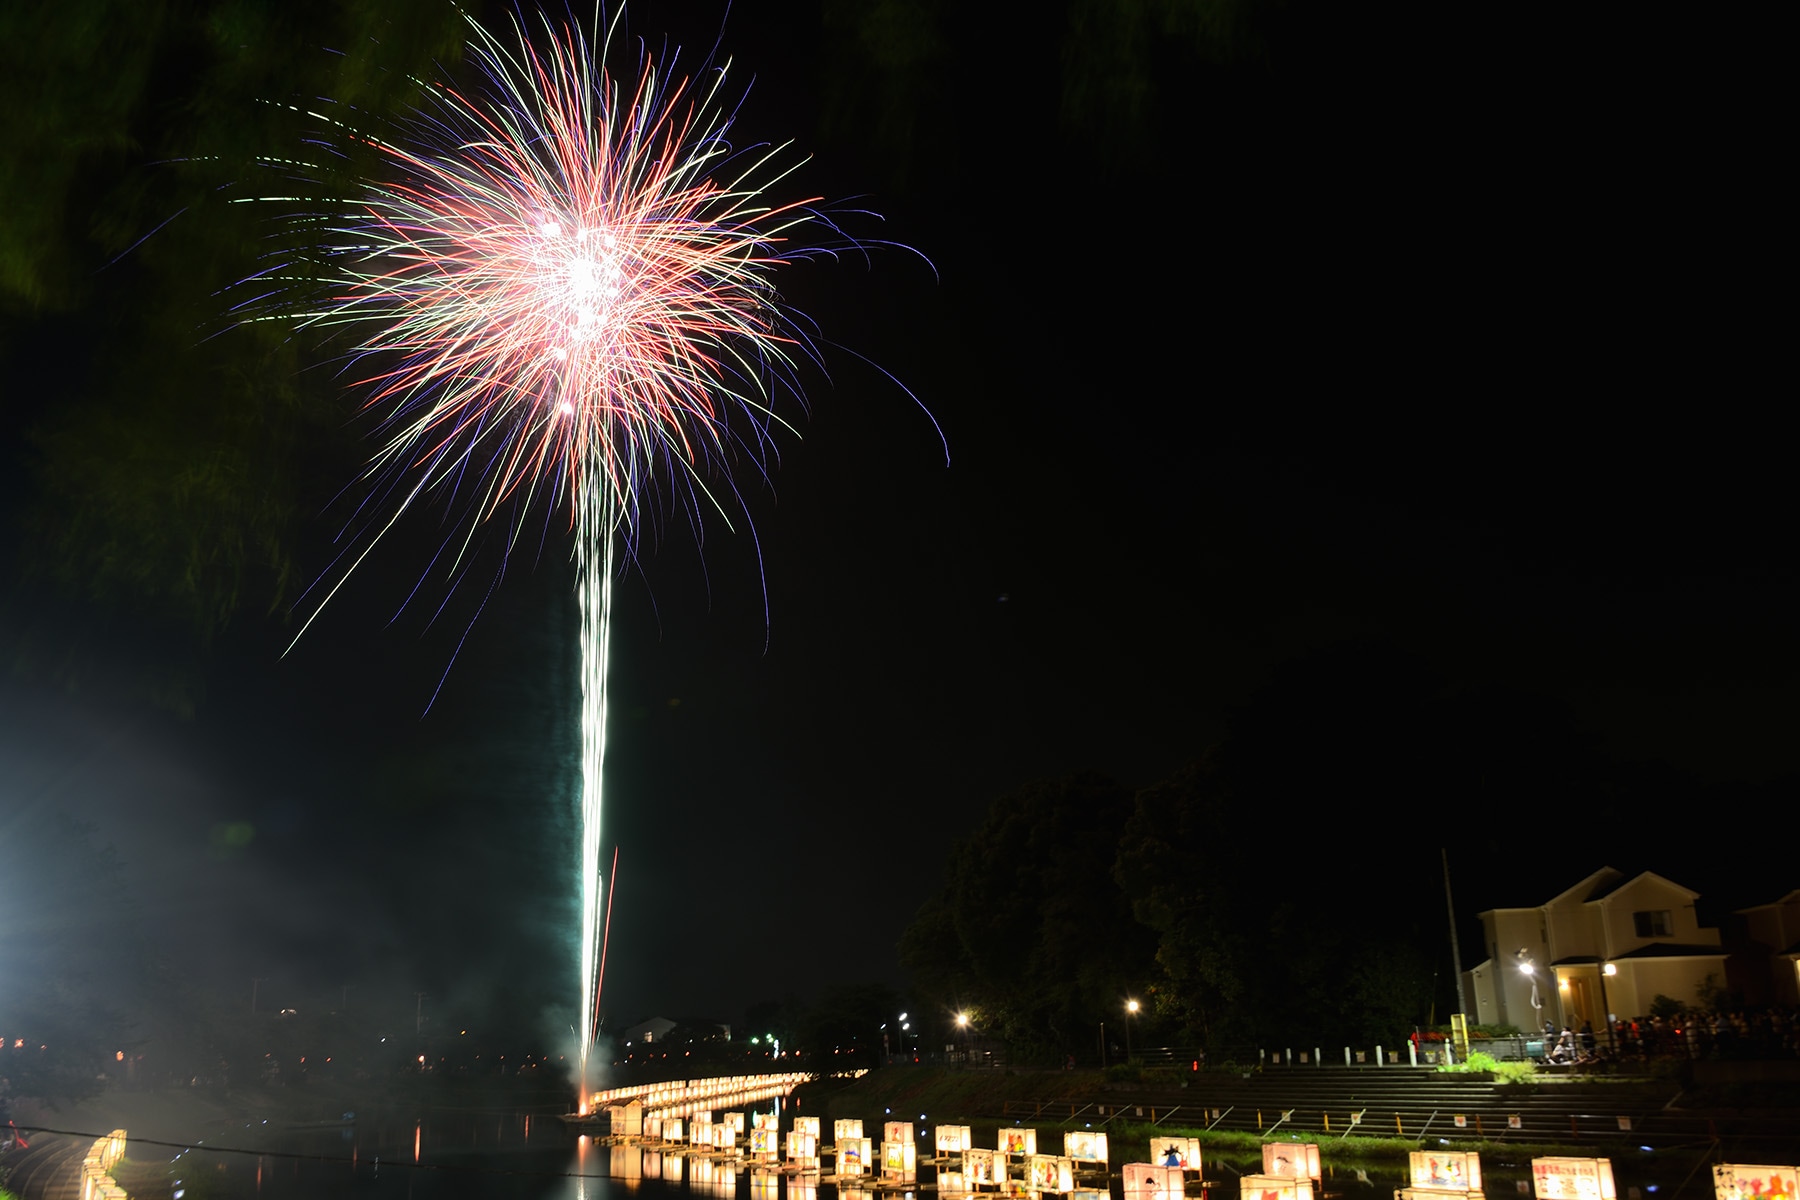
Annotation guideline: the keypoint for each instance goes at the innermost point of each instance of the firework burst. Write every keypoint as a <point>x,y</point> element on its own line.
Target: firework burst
<point>560,300</point>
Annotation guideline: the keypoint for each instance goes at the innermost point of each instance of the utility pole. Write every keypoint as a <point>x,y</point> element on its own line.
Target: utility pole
<point>254,984</point>
<point>1462,1005</point>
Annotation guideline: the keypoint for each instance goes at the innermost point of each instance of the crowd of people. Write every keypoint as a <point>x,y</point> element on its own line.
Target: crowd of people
<point>1688,1033</point>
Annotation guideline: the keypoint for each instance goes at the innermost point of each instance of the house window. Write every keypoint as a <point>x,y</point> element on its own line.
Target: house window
<point>1653,924</point>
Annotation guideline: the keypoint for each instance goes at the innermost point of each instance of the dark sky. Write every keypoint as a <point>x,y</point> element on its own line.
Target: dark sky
<point>1338,328</point>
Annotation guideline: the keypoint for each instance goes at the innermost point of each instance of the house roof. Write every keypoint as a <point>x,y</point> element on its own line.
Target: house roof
<point>1690,893</point>
<point>1672,950</point>
<point>1792,897</point>
<point>1591,888</point>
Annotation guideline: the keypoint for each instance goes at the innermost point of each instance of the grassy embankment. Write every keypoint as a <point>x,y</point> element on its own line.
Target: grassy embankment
<point>931,1096</point>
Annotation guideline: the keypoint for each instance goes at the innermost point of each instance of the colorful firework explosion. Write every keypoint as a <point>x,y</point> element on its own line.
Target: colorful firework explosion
<point>563,288</point>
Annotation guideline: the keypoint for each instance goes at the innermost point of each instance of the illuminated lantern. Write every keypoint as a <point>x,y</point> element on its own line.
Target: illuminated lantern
<point>897,1131</point>
<point>736,1121</point>
<point>1017,1143</point>
<point>899,1160</point>
<point>724,1137</point>
<point>763,1146</point>
<point>1181,1153</point>
<point>1739,1181</point>
<point>1047,1173</point>
<point>1147,1181</point>
<point>803,1149</point>
<point>1573,1179</point>
<point>626,1120</point>
<point>1274,1187</point>
<point>953,1139</point>
<point>1295,1160</point>
<point>983,1168</point>
<point>846,1129</point>
<point>653,1128</point>
<point>1439,1171</point>
<point>765,1121</point>
<point>854,1155</point>
<point>1085,1145</point>
<point>700,1129</point>
<point>672,1131</point>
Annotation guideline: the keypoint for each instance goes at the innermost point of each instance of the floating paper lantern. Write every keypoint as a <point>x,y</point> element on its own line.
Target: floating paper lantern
<point>846,1129</point>
<point>1275,1187</point>
<point>1084,1145</point>
<point>897,1131</point>
<point>953,1139</point>
<point>672,1131</point>
<point>1741,1181</point>
<point>1047,1173</point>
<point>899,1160</point>
<point>1181,1153</point>
<point>1018,1142</point>
<point>854,1155</point>
<point>1455,1170</point>
<point>1573,1179</point>
<point>736,1121</point>
<point>1147,1181</point>
<point>803,1150</point>
<point>1296,1160</point>
<point>983,1168</point>
<point>807,1125</point>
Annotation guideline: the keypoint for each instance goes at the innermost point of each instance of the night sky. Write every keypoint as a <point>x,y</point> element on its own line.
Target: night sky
<point>1249,342</point>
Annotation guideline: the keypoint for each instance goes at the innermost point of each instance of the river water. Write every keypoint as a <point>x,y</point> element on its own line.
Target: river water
<point>509,1155</point>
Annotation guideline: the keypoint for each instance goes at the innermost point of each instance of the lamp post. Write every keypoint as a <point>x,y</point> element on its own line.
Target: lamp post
<point>1131,1007</point>
<point>1606,1006</point>
<point>962,1027</point>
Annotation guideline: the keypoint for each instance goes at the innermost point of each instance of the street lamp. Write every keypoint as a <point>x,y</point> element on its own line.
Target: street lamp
<point>1537,1002</point>
<point>1606,1006</point>
<point>962,1027</point>
<point>1131,1007</point>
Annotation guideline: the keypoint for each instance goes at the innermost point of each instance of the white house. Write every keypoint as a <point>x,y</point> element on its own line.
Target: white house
<point>1610,944</point>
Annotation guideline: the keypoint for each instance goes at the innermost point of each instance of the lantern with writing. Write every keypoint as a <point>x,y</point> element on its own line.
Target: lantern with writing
<point>1740,1181</point>
<point>1573,1179</point>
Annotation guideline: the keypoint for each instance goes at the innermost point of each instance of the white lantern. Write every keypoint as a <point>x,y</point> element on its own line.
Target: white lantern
<point>1275,1187</point>
<point>1296,1160</point>
<point>1047,1173</point>
<point>846,1129</point>
<point>1147,1181</point>
<point>1085,1145</point>
<point>983,1168</point>
<point>899,1160</point>
<point>1573,1179</point>
<point>1741,1181</point>
<point>1181,1153</point>
<point>1453,1170</point>
<point>953,1139</point>
<point>1017,1143</point>
<point>853,1155</point>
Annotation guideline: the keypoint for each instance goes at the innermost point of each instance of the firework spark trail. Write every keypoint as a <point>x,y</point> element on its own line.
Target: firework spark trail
<point>563,293</point>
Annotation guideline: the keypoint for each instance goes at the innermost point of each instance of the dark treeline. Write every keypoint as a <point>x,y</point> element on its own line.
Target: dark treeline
<point>1288,886</point>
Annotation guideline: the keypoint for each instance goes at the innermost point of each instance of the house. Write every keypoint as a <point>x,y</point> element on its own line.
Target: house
<point>1610,944</point>
<point>1767,968</point>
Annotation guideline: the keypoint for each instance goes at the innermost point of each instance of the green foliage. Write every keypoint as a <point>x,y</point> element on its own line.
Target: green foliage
<point>1665,1007</point>
<point>1030,925</point>
<point>1504,1070</point>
